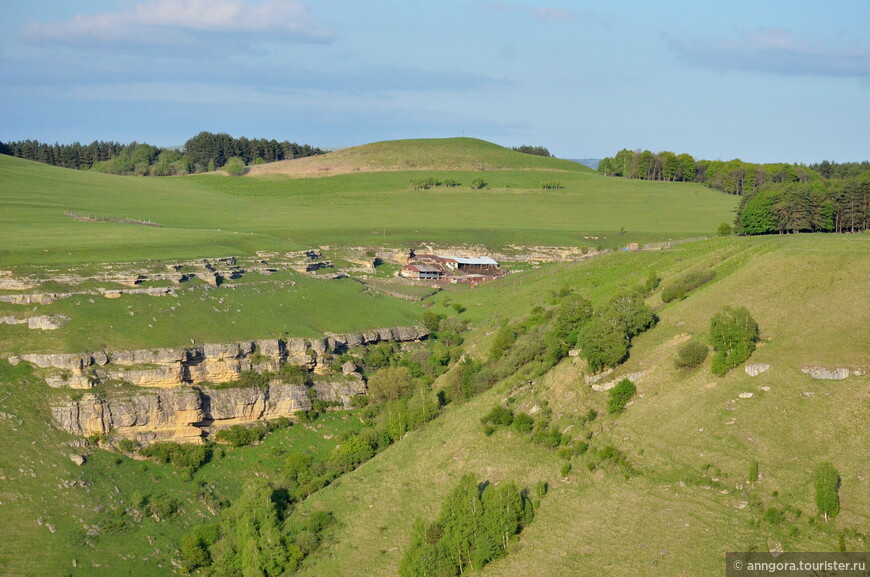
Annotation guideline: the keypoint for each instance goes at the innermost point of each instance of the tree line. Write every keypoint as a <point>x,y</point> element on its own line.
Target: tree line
<point>776,198</point>
<point>204,152</point>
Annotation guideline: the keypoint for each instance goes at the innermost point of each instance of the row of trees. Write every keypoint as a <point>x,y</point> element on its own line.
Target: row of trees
<point>207,151</point>
<point>734,176</point>
<point>533,150</point>
<point>836,205</point>
<point>204,152</point>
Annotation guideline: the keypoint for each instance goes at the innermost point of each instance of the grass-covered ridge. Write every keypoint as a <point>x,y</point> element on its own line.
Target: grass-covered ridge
<point>418,154</point>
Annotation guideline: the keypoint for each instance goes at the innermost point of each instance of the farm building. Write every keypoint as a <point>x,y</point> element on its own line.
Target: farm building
<point>479,264</point>
<point>422,271</point>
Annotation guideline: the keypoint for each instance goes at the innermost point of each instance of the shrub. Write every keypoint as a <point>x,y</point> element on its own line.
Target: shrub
<point>753,472</point>
<point>551,186</point>
<point>733,333</point>
<point>523,423</point>
<point>630,312</point>
<point>498,416</point>
<point>690,355</point>
<point>620,395</point>
<point>235,166</point>
<point>188,458</point>
<point>162,506</point>
<point>724,229</point>
<point>477,183</point>
<point>504,338</point>
<point>294,375</point>
<point>680,288</point>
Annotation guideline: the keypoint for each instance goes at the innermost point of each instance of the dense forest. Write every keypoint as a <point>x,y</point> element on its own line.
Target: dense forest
<point>776,198</point>
<point>204,152</point>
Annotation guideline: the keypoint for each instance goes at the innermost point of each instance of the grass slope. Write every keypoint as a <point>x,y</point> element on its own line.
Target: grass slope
<point>209,215</point>
<point>689,434</point>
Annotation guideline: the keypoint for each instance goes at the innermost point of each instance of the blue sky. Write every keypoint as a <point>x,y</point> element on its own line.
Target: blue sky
<point>764,81</point>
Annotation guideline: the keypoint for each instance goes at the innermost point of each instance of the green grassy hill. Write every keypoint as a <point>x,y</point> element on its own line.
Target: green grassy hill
<point>418,154</point>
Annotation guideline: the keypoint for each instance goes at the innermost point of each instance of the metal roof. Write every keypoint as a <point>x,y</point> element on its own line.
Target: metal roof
<point>478,260</point>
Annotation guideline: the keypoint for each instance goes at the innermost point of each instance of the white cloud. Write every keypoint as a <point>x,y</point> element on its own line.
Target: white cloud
<point>183,22</point>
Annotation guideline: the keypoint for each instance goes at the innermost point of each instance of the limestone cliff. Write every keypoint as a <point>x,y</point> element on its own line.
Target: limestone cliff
<point>209,363</point>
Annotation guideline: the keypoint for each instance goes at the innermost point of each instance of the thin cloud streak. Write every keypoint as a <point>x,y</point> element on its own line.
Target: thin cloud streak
<point>181,23</point>
<point>540,13</point>
<point>773,50</point>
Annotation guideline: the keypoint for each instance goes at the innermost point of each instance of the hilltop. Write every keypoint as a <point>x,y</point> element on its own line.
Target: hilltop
<point>415,154</point>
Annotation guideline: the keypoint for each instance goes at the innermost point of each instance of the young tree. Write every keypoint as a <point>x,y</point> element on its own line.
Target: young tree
<point>733,333</point>
<point>620,395</point>
<point>826,480</point>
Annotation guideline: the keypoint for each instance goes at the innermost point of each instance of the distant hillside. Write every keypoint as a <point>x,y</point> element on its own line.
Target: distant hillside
<point>416,154</point>
<point>590,162</point>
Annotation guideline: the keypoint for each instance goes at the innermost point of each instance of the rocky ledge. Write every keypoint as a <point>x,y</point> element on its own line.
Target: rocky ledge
<point>209,363</point>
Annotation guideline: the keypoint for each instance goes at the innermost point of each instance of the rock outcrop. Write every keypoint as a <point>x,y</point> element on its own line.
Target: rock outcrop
<point>755,369</point>
<point>826,374</point>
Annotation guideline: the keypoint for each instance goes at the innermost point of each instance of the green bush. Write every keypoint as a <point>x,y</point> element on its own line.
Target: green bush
<point>620,395</point>
<point>390,383</point>
<point>477,183</point>
<point>724,229</point>
<point>239,436</point>
<point>690,355</point>
<point>680,288</point>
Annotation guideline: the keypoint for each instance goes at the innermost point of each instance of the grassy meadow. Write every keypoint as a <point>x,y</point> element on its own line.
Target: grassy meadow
<point>212,215</point>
